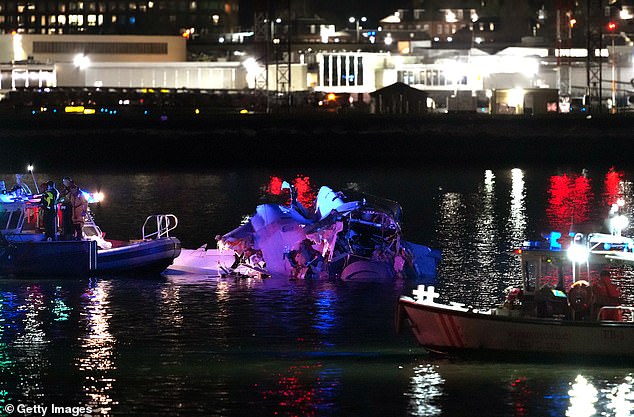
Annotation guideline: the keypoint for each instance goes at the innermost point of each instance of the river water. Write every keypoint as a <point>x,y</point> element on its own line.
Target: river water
<point>188,345</point>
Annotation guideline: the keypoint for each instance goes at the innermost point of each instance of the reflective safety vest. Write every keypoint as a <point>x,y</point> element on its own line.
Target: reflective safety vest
<point>49,199</point>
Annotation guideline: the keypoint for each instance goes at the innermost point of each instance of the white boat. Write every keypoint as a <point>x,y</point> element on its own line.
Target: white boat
<point>25,252</point>
<point>543,318</point>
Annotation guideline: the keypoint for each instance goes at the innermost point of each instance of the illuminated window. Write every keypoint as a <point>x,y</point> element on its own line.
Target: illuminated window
<point>52,19</point>
<point>132,6</point>
<point>100,20</point>
<point>30,6</point>
<point>92,20</point>
<point>193,6</point>
<point>21,8</point>
<point>61,19</point>
<point>491,26</point>
<point>80,5</point>
<point>114,19</point>
<point>42,20</point>
<point>32,19</point>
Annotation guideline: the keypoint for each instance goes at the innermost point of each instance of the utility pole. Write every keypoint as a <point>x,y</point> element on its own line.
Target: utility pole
<point>565,22</point>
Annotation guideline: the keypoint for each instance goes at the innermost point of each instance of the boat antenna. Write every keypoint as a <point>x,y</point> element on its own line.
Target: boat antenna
<point>30,169</point>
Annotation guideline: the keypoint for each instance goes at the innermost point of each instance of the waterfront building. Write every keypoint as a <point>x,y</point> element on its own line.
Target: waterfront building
<point>189,18</point>
<point>447,73</point>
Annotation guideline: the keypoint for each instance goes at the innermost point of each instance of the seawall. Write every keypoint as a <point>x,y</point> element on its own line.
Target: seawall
<point>292,140</point>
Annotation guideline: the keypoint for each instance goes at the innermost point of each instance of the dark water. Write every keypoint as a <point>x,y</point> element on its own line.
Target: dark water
<point>181,345</point>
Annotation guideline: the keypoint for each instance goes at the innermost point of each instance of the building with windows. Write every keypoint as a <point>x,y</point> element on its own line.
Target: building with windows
<point>110,61</point>
<point>190,18</point>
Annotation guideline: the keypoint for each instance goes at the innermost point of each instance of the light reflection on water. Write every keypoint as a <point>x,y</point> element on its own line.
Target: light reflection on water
<point>96,361</point>
<point>32,343</point>
<point>425,391</point>
<point>198,345</point>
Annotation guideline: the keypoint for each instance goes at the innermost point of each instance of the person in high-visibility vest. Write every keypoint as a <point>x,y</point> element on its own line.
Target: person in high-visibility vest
<point>48,202</point>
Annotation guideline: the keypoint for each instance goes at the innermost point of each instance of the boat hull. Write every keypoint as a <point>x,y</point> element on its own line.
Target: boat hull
<point>444,329</point>
<point>36,258</point>
<point>146,257</point>
<point>81,258</point>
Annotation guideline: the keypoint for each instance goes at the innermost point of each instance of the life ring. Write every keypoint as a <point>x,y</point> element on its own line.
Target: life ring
<point>580,296</point>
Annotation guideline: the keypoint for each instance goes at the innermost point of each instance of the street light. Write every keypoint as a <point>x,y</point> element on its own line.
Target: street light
<point>357,21</point>
<point>611,29</point>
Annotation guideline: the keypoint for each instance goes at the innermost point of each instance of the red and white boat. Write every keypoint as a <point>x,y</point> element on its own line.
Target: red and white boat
<point>548,316</point>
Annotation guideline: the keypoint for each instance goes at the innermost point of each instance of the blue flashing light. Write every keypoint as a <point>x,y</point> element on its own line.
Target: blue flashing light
<point>145,112</point>
<point>33,112</point>
<point>554,244</point>
<point>54,110</point>
<point>132,20</point>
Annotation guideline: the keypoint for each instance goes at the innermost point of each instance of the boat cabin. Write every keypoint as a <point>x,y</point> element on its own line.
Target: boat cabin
<point>19,216</point>
<point>559,280</point>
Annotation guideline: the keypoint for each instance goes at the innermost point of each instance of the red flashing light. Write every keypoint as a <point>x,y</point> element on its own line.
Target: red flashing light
<point>611,26</point>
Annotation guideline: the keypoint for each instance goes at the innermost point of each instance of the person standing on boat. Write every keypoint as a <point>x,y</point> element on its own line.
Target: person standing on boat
<point>67,190</point>
<point>48,203</point>
<point>79,208</point>
<point>606,293</point>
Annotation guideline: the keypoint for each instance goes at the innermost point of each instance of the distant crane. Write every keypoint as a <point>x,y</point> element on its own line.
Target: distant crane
<point>594,44</point>
<point>272,35</point>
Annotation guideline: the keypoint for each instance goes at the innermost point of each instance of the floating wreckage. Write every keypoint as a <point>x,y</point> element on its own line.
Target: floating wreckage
<point>350,239</point>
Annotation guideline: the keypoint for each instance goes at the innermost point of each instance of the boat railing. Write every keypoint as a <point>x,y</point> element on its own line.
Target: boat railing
<point>616,313</point>
<point>165,223</point>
